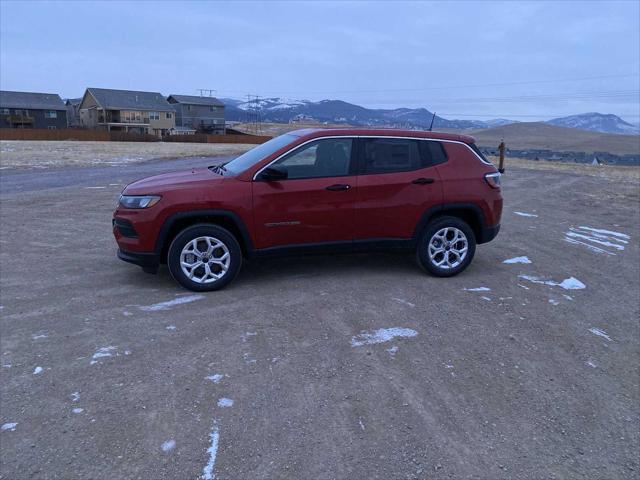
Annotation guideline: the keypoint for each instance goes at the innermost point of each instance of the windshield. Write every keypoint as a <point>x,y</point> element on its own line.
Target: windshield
<point>258,153</point>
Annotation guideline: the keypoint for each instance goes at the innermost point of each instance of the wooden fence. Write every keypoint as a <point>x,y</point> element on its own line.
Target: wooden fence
<point>105,136</point>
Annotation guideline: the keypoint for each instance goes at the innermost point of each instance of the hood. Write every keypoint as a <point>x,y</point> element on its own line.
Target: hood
<point>172,181</point>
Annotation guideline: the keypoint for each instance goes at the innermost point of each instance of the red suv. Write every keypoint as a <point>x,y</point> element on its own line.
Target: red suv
<point>315,189</point>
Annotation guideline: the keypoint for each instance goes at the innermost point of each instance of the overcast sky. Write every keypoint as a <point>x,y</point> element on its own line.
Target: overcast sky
<point>472,60</point>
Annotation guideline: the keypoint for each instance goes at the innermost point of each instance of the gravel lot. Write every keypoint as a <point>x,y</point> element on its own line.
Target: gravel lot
<point>107,372</point>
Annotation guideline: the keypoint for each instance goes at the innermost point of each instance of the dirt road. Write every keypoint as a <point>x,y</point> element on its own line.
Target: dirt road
<point>511,370</point>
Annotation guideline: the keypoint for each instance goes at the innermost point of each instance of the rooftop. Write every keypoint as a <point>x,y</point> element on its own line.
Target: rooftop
<point>31,100</point>
<point>196,100</point>
<point>129,100</point>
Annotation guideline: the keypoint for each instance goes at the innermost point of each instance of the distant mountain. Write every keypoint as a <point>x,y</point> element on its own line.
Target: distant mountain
<point>283,110</point>
<point>596,122</point>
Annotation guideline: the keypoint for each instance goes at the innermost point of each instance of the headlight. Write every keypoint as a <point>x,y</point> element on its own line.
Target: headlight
<point>138,201</point>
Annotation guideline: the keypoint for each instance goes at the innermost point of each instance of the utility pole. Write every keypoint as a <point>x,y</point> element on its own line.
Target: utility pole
<point>253,114</point>
<point>205,90</point>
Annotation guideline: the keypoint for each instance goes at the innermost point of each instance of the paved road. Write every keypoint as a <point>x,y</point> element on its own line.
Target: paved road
<point>111,373</point>
<point>14,181</point>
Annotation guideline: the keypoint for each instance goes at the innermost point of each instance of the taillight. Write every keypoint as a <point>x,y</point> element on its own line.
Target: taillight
<point>493,179</point>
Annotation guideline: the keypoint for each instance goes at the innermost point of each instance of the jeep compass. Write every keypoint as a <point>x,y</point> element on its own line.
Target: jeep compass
<point>315,190</point>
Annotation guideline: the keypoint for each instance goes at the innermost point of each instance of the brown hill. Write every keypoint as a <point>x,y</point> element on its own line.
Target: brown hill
<point>535,135</point>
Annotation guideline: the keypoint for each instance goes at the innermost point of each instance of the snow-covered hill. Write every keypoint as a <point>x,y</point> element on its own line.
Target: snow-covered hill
<point>596,122</point>
<point>284,110</point>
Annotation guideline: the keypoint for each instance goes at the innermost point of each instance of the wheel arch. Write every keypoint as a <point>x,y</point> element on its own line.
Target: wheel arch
<point>222,218</point>
<point>469,212</point>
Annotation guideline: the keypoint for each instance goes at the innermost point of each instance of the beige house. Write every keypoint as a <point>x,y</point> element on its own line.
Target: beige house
<point>126,111</point>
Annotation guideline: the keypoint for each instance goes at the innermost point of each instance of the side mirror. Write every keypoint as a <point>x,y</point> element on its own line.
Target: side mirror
<point>273,174</point>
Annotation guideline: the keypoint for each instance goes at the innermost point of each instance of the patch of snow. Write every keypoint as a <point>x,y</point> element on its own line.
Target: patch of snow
<point>524,214</point>
<point>37,337</point>
<point>478,289</point>
<point>568,297</point>
<point>101,353</point>
<point>553,301</point>
<point>168,445</point>
<point>591,364</point>
<point>607,232</point>
<point>518,260</point>
<point>590,247</point>
<point>78,410</point>
<point>75,396</point>
<point>245,336</point>
<point>600,333</point>
<point>597,239</point>
<point>361,424</point>
<point>404,302</point>
<point>225,402</point>
<point>216,378</point>
<point>214,437</point>
<point>615,246</point>
<point>171,303</point>
<point>38,371</point>
<point>488,299</point>
<point>393,350</point>
<point>570,283</point>
<point>382,335</point>
<point>170,327</point>
<point>10,426</point>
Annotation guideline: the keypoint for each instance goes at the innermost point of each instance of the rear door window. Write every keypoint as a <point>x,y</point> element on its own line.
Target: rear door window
<point>389,155</point>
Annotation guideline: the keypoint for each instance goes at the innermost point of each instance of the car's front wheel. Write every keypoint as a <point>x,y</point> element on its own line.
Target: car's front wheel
<point>204,258</point>
<point>446,246</point>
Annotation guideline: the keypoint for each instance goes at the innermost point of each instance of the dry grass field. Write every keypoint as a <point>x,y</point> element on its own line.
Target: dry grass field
<point>534,135</point>
<point>49,154</point>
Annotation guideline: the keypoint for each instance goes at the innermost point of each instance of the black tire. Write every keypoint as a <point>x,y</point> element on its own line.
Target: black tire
<point>435,226</point>
<point>205,230</point>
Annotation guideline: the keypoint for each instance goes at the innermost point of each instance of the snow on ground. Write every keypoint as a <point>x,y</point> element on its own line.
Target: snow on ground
<point>382,335</point>
<point>518,260</point>
<point>49,154</point>
<point>570,283</point>
<point>597,240</point>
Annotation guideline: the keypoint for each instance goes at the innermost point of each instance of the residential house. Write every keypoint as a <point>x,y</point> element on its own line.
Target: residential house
<point>204,114</point>
<point>126,111</point>
<point>32,110</point>
<point>73,111</point>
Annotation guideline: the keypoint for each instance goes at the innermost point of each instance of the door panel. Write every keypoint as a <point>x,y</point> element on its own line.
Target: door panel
<point>389,204</point>
<point>292,212</point>
<point>315,204</point>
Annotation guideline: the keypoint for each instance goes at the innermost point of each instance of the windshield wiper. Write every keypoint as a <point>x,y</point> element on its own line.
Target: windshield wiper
<point>219,169</point>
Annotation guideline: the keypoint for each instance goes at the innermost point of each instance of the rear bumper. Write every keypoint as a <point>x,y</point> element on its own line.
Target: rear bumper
<point>148,261</point>
<point>488,234</point>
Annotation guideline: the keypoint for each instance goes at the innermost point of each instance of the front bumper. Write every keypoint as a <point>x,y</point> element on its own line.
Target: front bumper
<point>149,262</point>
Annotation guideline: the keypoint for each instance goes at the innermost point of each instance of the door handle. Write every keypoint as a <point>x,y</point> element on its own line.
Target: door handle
<point>423,181</point>
<point>338,186</point>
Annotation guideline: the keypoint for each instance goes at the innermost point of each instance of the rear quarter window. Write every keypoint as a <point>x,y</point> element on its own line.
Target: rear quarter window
<point>475,148</point>
<point>433,152</point>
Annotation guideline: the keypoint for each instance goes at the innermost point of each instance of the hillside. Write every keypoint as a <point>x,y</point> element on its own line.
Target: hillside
<point>596,122</point>
<point>537,135</point>
<point>282,110</point>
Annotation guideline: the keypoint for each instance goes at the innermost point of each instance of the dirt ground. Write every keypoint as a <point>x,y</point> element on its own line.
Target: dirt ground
<point>508,371</point>
<point>48,154</point>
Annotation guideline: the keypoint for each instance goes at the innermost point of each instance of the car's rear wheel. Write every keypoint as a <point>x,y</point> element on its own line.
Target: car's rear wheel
<point>446,246</point>
<point>204,257</point>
